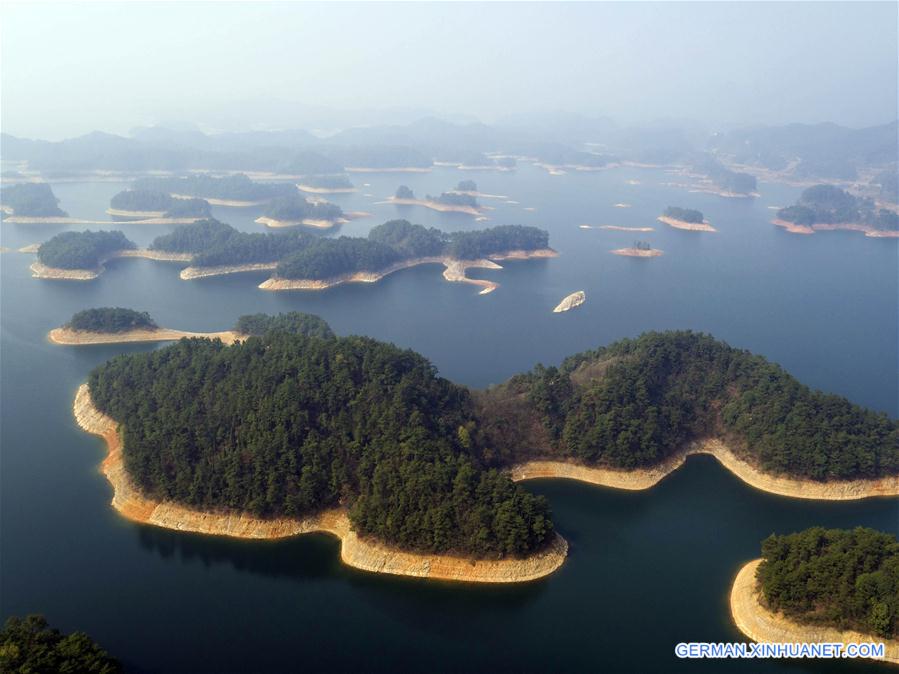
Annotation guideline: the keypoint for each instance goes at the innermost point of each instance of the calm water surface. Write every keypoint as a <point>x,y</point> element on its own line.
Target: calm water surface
<point>646,570</point>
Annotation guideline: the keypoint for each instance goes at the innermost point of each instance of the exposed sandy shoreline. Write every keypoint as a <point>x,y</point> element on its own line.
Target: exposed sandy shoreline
<point>324,190</point>
<point>39,270</point>
<point>361,553</point>
<point>761,624</point>
<point>140,215</point>
<point>434,206</point>
<point>233,203</point>
<point>60,220</point>
<point>644,478</point>
<point>690,226</point>
<point>618,228</point>
<point>637,252</point>
<point>69,337</point>
<point>872,232</point>
<point>307,222</point>
<point>189,273</point>
<point>454,271</point>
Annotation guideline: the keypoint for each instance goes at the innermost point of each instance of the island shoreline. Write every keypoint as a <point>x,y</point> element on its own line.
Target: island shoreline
<point>761,624</point>
<point>355,551</point>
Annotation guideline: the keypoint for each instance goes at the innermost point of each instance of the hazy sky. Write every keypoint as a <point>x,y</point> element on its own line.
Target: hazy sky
<point>70,68</point>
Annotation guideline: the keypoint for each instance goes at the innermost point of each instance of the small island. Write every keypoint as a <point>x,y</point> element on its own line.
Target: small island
<point>826,207</point>
<point>78,256</point>
<point>326,184</point>
<point>447,202</point>
<point>116,325</point>
<point>470,188</point>
<point>158,206</point>
<point>571,301</point>
<point>294,210</point>
<point>236,191</point>
<point>685,218</point>
<point>442,511</point>
<point>639,249</point>
<point>32,201</point>
<point>822,586</point>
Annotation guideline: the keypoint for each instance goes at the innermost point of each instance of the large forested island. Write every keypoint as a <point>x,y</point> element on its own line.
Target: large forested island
<point>286,433</point>
<point>326,184</point>
<point>826,207</point>
<point>154,204</point>
<point>231,190</point>
<point>78,255</point>
<point>33,200</point>
<point>822,585</point>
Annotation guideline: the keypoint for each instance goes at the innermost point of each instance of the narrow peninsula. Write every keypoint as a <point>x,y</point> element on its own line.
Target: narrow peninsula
<point>447,202</point>
<point>822,586</point>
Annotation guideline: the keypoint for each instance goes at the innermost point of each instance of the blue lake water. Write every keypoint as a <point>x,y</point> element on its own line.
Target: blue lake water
<point>646,570</point>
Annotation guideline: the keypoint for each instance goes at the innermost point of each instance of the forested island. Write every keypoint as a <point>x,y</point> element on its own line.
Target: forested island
<point>826,207</point>
<point>117,325</point>
<point>822,585</point>
<point>639,249</point>
<point>333,419</point>
<point>35,200</point>
<point>727,183</point>
<point>685,218</point>
<point>293,209</point>
<point>326,184</point>
<point>79,252</point>
<point>457,201</point>
<point>30,645</point>
<point>231,190</point>
<point>153,204</point>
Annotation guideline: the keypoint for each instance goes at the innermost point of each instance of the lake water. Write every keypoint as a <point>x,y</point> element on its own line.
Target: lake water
<point>646,570</point>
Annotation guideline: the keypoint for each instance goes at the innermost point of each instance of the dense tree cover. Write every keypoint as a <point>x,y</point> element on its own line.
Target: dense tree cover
<point>685,214</point>
<point>485,242</point>
<point>236,187</point>
<point>30,646</point>
<point>399,240</point>
<point>214,243</point>
<point>188,208</point>
<point>888,185</point>
<point>286,424</point>
<point>141,200</point>
<point>31,199</point>
<point>111,319</point>
<point>642,245</point>
<point>296,207</point>
<point>845,578</point>
<point>294,322</point>
<point>639,400</point>
<point>82,250</point>
<point>455,199</point>
<point>327,258</point>
<point>309,163</point>
<point>467,186</point>
<point>409,240</point>
<point>330,182</point>
<point>831,205</point>
<point>564,156</point>
<point>404,192</point>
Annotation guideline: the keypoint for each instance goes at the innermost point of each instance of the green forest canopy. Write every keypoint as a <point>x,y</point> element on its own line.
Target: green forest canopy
<point>151,200</point>
<point>294,207</point>
<point>294,322</point>
<point>638,401</point>
<point>30,646</point>
<point>34,200</point>
<point>237,187</point>
<point>832,205</point>
<point>288,424</point>
<point>684,214</point>
<point>847,579</point>
<point>111,319</point>
<point>82,250</point>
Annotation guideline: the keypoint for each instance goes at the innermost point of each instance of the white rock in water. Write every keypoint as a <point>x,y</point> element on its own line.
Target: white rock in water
<point>572,301</point>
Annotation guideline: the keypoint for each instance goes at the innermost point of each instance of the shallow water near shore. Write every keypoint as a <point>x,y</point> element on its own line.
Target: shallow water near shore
<point>646,570</point>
